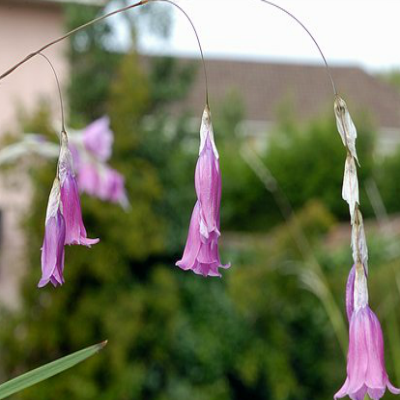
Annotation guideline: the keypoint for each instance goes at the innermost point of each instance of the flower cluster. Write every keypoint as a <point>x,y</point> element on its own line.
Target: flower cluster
<point>91,150</point>
<point>366,372</point>
<point>64,224</point>
<point>201,254</point>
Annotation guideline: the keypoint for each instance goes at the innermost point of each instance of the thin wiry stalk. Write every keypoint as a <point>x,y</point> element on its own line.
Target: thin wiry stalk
<point>197,38</point>
<point>311,36</point>
<point>317,275</point>
<point>101,18</point>
<point>59,91</point>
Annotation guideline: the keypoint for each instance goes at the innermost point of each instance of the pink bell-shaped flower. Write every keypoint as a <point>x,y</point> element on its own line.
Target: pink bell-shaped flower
<point>366,372</point>
<point>54,239</point>
<point>201,254</point>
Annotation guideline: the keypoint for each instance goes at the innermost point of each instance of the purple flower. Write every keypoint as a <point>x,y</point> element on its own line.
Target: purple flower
<point>76,157</point>
<point>208,189</point>
<point>201,254</point>
<point>75,230</point>
<point>98,138</point>
<point>54,239</point>
<point>88,179</point>
<point>112,187</point>
<point>103,182</point>
<point>94,176</point>
<point>366,371</point>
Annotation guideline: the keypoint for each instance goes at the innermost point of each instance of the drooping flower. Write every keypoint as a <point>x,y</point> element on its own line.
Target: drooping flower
<point>54,239</point>
<point>98,138</point>
<point>201,254</point>
<point>75,230</point>
<point>366,372</point>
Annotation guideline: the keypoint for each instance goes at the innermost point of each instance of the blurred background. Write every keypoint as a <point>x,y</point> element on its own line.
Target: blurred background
<point>274,326</point>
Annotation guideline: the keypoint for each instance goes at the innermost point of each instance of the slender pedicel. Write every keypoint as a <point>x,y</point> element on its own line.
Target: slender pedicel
<point>311,36</point>
<point>197,38</point>
<point>59,91</point>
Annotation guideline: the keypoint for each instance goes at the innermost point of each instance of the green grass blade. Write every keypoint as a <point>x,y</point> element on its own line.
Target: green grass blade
<point>47,371</point>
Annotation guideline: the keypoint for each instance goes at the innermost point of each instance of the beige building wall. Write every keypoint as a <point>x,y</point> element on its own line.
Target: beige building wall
<point>24,27</point>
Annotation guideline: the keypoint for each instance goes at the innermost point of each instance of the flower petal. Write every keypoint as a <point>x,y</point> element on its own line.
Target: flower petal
<point>350,191</point>
<point>193,242</point>
<point>392,388</point>
<point>53,251</point>
<point>98,138</point>
<point>208,189</point>
<point>350,293</point>
<point>202,257</point>
<point>343,390</point>
<point>376,376</point>
<point>357,360</point>
<point>75,230</point>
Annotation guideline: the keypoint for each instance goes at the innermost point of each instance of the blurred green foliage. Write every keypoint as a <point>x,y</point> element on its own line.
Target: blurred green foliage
<point>308,162</point>
<point>387,182</point>
<point>256,333</point>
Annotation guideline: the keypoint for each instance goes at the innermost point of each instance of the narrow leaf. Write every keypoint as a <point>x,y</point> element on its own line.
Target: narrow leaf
<point>47,371</point>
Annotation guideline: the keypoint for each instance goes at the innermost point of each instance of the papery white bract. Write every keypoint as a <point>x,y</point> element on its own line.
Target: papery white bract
<point>350,192</point>
<point>345,126</point>
<point>207,133</point>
